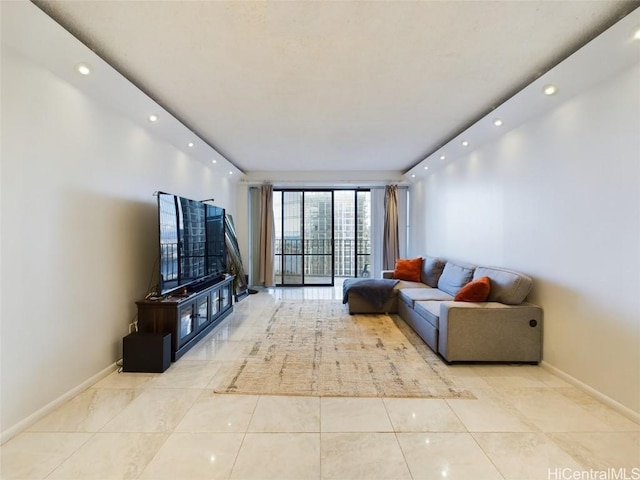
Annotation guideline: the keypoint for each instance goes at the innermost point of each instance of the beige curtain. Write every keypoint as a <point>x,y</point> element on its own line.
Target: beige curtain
<point>267,237</point>
<point>255,196</point>
<point>390,242</point>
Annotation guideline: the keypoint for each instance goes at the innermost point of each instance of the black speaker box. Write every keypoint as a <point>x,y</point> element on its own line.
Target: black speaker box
<point>146,352</point>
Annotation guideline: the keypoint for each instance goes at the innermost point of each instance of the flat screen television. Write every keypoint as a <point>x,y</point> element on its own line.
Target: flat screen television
<point>192,242</point>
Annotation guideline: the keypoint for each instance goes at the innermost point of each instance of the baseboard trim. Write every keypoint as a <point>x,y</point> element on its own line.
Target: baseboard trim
<point>610,402</point>
<point>11,432</point>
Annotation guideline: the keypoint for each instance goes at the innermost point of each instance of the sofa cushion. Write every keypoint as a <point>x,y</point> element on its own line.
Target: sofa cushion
<point>431,270</point>
<point>474,291</point>
<point>430,310</point>
<point>412,295</point>
<point>508,287</point>
<point>408,269</point>
<point>402,284</point>
<point>454,277</point>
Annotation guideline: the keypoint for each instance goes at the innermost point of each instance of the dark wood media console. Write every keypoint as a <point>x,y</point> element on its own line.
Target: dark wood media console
<point>187,317</point>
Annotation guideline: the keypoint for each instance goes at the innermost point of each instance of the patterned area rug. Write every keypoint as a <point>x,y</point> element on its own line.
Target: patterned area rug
<point>316,348</point>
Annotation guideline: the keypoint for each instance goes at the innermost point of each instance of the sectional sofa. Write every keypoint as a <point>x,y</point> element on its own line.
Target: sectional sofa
<point>504,328</point>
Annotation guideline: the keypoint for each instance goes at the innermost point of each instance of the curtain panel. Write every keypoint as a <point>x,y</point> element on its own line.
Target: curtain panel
<point>390,240</point>
<point>266,254</point>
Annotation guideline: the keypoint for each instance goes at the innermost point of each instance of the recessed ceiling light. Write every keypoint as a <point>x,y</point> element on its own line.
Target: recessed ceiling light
<point>83,69</point>
<point>442,157</point>
<point>636,34</point>
<point>230,173</point>
<point>190,144</point>
<point>497,122</point>
<point>214,161</point>
<point>413,175</point>
<point>426,168</point>
<point>153,118</point>
<point>550,89</point>
<point>465,143</point>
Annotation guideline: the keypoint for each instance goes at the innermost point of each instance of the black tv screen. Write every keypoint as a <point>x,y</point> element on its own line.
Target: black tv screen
<point>192,245</point>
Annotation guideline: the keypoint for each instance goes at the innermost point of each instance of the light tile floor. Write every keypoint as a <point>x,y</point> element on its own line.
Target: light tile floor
<point>525,423</point>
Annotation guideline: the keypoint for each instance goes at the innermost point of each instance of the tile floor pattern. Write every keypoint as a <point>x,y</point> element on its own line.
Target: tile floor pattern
<point>525,423</point>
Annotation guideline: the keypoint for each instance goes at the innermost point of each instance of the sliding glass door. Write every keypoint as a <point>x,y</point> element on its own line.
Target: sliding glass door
<point>321,235</point>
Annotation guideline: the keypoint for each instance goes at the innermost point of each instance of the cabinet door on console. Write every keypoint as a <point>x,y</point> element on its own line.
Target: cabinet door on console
<point>186,322</point>
<point>226,296</point>
<point>215,302</point>
<point>202,312</point>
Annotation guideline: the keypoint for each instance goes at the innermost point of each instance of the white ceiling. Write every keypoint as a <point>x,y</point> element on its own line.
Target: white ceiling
<point>332,86</point>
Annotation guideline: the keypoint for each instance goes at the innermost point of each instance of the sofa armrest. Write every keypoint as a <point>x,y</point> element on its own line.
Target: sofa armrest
<point>489,308</point>
<point>388,274</point>
<point>490,331</point>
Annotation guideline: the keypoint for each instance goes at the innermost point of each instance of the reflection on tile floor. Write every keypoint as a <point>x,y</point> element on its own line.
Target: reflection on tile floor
<point>524,423</point>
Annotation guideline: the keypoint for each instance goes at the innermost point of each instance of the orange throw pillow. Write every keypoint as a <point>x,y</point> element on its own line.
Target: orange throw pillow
<point>476,291</point>
<point>408,269</point>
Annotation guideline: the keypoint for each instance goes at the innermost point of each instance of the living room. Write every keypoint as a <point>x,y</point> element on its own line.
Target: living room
<point>555,196</point>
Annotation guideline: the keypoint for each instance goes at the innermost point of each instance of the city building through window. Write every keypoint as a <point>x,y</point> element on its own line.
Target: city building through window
<point>321,235</point>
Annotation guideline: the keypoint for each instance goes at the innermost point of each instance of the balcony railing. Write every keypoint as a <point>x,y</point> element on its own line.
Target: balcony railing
<point>317,255</point>
<point>293,246</point>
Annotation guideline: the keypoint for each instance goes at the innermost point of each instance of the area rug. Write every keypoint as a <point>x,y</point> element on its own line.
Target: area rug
<point>314,347</point>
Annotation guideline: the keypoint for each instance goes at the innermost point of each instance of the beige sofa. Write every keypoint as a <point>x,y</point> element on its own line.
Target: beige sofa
<point>505,328</point>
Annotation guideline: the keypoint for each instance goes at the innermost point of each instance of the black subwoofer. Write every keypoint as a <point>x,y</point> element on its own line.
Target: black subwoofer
<point>146,352</point>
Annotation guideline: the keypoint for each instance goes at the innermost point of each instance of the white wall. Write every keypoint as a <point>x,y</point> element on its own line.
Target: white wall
<point>416,238</point>
<point>559,199</point>
<point>79,231</point>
